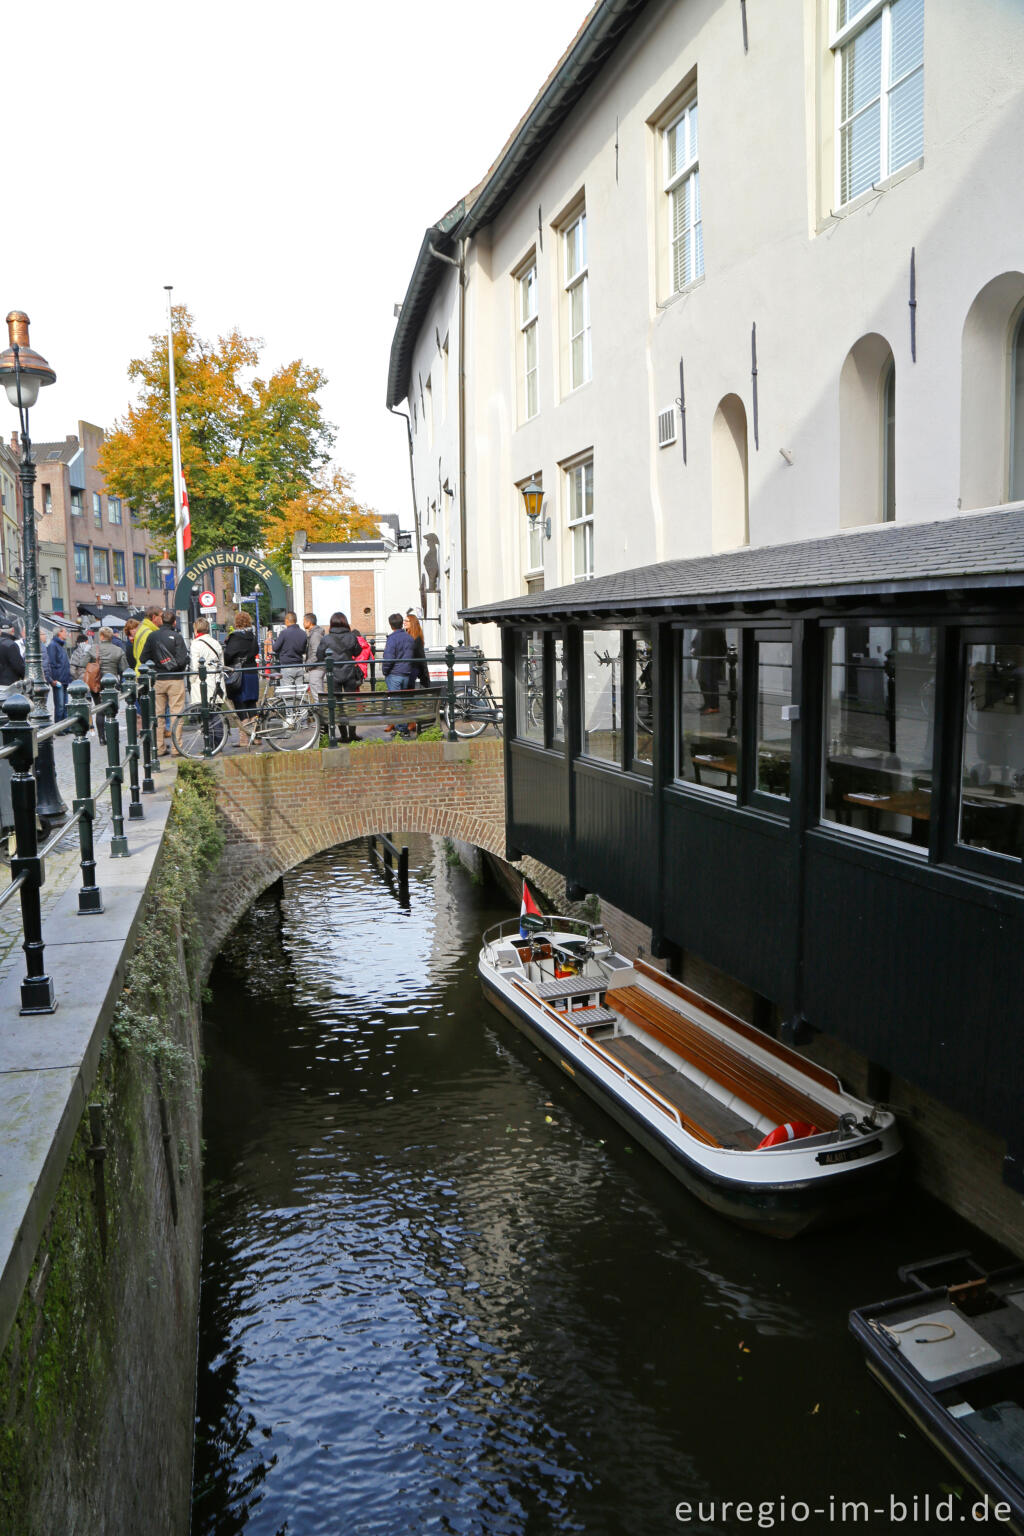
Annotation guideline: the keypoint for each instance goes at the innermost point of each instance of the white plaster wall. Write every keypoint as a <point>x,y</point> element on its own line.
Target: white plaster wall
<point>814,284</point>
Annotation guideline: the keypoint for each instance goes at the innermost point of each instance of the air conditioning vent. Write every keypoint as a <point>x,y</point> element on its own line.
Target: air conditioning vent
<point>121,595</point>
<point>666,427</point>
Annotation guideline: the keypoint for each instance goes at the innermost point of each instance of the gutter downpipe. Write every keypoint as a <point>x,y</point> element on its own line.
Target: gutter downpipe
<point>412,482</point>
<point>460,266</point>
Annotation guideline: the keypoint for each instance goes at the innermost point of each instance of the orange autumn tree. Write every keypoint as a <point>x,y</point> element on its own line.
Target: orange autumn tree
<point>327,512</point>
<point>252,447</point>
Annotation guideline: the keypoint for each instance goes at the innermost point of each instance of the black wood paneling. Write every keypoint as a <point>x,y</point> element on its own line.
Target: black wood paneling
<point>615,851</point>
<point>730,892</point>
<point>922,970</point>
<point>538,803</point>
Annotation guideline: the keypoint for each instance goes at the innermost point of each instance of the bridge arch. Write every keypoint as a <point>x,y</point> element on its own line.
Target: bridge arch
<point>277,810</point>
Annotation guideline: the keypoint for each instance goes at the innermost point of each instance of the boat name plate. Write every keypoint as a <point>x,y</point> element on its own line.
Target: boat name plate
<point>848,1154</point>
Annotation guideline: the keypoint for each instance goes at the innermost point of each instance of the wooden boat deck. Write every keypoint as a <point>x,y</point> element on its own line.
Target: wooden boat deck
<point>756,1085</point>
<point>723,1126</point>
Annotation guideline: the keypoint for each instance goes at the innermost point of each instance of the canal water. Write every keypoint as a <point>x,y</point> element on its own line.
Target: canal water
<point>443,1293</point>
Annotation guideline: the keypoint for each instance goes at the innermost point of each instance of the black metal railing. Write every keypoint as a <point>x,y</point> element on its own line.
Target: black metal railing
<point>21,742</point>
<point>460,697</point>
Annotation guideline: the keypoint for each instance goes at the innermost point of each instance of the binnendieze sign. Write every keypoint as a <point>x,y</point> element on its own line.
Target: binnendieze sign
<point>196,574</point>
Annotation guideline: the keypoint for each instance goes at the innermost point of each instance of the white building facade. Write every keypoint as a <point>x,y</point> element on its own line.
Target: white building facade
<point>734,280</point>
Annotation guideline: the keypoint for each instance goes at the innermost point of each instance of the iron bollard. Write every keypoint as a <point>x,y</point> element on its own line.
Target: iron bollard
<point>37,988</point>
<point>332,708</point>
<point>115,770</point>
<point>449,661</point>
<point>131,725</point>
<point>147,678</point>
<point>90,897</point>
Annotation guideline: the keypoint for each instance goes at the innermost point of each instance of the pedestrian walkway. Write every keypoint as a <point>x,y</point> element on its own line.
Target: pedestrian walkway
<point>62,864</point>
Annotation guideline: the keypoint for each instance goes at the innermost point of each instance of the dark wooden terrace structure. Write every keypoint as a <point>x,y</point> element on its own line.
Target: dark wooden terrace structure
<point>805,764</point>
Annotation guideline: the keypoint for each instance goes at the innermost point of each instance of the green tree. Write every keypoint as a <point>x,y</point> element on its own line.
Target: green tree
<point>250,446</point>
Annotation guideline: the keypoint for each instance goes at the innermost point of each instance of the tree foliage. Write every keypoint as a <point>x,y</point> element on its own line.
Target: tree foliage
<point>326,511</point>
<point>252,448</point>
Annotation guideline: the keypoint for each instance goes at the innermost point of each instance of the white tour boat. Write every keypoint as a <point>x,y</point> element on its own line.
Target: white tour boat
<point>753,1128</point>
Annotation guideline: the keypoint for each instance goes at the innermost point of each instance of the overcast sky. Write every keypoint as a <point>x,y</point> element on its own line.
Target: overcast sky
<point>278,163</point>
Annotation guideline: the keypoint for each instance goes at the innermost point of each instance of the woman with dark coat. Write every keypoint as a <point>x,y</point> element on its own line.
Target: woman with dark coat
<point>241,652</point>
<point>344,645</point>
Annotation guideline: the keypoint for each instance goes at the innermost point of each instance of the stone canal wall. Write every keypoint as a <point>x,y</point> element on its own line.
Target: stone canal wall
<point>101,1197</point>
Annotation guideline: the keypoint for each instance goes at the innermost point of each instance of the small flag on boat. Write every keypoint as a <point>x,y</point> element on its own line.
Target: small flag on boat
<point>529,908</point>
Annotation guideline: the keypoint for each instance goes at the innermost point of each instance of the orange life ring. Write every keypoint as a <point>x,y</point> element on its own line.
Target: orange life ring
<point>792,1130</point>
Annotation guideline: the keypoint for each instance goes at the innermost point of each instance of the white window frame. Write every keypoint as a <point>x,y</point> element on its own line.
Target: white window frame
<point>580,528</point>
<point>98,580</point>
<point>576,278</point>
<point>97,509</point>
<point>528,318</point>
<point>842,37</point>
<point>114,510</point>
<point>685,183</point>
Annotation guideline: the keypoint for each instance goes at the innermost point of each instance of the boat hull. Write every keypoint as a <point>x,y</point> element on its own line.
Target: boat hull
<point>929,1414</point>
<point>781,1210</point>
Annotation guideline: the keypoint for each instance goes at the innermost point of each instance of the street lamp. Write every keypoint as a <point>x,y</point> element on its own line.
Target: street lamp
<point>533,500</point>
<point>23,373</point>
<point>165,567</point>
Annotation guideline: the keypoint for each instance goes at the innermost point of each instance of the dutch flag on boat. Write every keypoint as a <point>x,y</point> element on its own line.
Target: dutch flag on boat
<point>528,908</point>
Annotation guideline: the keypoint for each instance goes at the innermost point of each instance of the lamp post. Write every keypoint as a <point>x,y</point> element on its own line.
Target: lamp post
<point>23,372</point>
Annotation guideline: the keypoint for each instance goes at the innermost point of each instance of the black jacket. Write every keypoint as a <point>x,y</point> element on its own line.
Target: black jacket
<point>240,648</point>
<point>290,646</point>
<point>166,650</point>
<point>343,645</point>
<point>12,663</point>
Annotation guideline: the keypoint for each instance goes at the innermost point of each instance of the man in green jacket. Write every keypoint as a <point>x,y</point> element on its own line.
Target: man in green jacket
<point>142,634</point>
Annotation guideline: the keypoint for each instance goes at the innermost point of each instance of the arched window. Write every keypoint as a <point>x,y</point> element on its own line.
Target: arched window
<point>1017,410</point>
<point>729,526</point>
<point>992,395</point>
<point>867,434</point>
<point>889,444</point>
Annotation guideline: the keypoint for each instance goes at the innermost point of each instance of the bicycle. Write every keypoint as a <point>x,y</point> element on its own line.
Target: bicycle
<point>288,722</point>
<point>475,708</point>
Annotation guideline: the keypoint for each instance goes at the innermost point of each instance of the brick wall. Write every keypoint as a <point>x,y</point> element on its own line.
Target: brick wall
<point>280,808</point>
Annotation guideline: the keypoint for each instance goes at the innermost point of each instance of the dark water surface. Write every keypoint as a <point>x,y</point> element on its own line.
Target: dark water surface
<point>442,1292</point>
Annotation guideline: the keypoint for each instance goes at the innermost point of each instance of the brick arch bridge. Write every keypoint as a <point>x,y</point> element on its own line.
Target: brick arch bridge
<point>280,808</point>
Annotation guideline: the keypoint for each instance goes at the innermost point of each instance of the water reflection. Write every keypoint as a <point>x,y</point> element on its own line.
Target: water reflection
<point>443,1293</point>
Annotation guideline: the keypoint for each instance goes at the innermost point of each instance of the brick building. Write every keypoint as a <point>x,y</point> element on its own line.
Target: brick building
<point>91,549</point>
<point>366,579</point>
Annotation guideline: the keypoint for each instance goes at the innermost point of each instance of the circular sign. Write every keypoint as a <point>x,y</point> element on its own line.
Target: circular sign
<point>207,600</point>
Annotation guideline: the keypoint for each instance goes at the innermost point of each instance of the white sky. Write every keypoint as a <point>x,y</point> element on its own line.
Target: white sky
<point>278,163</point>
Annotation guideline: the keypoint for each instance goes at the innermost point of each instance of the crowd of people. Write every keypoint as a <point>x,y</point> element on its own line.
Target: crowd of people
<point>296,654</point>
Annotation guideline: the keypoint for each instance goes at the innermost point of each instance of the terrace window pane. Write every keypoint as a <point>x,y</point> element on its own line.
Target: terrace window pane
<point>774,692</point>
<point>602,694</point>
<point>879,715</point>
<point>643,696</point>
<point>992,761</point>
<point>530,686</point>
<point>709,696</point>
<point>558,714</point>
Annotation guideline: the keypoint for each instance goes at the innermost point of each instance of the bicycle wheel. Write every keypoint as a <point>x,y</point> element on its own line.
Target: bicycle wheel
<point>187,733</point>
<point>290,727</point>
<point>536,710</point>
<point>468,722</point>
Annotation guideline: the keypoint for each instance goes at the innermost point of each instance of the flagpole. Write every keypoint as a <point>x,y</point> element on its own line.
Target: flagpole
<point>179,546</point>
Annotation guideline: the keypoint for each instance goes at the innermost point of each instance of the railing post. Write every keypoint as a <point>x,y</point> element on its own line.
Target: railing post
<point>147,676</point>
<point>90,897</point>
<point>37,988</point>
<point>449,661</point>
<point>131,725</point>
<point>115,770</point>
<point>332,718</point>
<point>204,711</point>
